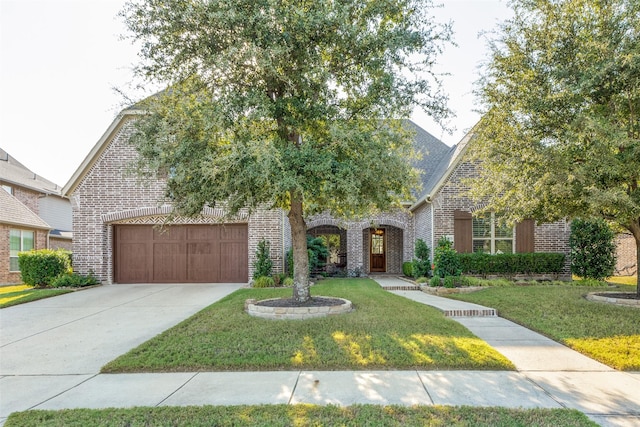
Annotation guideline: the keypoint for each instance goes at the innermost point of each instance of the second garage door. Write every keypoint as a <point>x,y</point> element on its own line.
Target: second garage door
<point>181,254</point>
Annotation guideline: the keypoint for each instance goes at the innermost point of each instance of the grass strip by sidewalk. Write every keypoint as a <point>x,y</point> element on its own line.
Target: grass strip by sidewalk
<point>301,416</point>
<point>605,332</point>
<point>385,331</point>
<point>14,295</point>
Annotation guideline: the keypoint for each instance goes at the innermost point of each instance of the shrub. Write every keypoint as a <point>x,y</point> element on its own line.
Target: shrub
<point>434,282</point>
<point>510,264</point>
<point>317,251</point>
<point>407,268</point>
<point>263,282</point>
<point>445,259</point>
<point>421,265</point>
<point>287,282</point>
<point>467,281</point>
<point>592,249</point>
<point>422,280</point>
<point>74,280</point>
<point>41,267</point>
<point>263,266</point>
<point>449,282</point>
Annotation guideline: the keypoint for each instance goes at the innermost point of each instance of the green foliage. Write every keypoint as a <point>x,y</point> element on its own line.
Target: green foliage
<point>292,105</point>
<point>287,282</point>
<point>263,266</point>
<point>407,268</point>
<point>422,280</point>
<point>41,267</point>
<point>446,259</point>
<point>317,251</point>
<point>74,280</point>
<point>449,282</point>
<point>263,282</point>
<point>561,135</point>
<point>593,251</point>
<point>422,263</point>
<point>510,264</point>
<point>435,281</point>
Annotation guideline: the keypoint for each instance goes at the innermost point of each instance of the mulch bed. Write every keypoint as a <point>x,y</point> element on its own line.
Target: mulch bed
<point>290,302</point>
<point>618,295</point>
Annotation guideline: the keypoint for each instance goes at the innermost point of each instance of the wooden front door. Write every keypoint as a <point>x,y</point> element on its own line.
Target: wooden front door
<point>378,246</point>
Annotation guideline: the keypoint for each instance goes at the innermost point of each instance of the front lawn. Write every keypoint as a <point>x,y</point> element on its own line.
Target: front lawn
<point>19,294</point>
<point>605,332</point>
<point>384,332</point>
<point>301,415</point>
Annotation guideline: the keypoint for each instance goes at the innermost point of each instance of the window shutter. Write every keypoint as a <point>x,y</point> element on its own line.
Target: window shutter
<point>525,237</point>
<point>462,231</point>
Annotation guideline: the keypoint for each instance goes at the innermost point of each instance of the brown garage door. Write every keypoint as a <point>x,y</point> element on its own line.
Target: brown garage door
<point>181,254</point>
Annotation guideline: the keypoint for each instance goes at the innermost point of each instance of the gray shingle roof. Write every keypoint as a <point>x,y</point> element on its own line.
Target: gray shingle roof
<point>14,172</point>
<point>435,158</point>
<point>14,212</point>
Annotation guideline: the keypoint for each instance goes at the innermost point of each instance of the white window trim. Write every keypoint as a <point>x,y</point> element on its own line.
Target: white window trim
<point>492,237</point>
<point>21,245</point>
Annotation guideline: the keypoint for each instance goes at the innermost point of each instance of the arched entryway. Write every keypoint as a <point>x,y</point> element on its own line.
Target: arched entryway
<point>335,238</point>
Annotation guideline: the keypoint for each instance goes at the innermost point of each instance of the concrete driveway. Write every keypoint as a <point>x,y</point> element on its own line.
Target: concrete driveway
<point>78,333</point>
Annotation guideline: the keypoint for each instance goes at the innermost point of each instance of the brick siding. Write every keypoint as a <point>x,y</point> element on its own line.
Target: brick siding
<point>7,277</point>
<point>109,194</point>
<point>626,255</point>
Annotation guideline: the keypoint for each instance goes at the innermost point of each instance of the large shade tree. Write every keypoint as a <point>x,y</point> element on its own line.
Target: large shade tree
<point>561,132</point>
<point>285,104</point>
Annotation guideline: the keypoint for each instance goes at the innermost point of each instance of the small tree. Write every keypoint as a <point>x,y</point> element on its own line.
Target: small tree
<point>446,259</point>
<point>263,266</point>
<point>592,249</point>
<point>422,263</point>
<point>317,252</point>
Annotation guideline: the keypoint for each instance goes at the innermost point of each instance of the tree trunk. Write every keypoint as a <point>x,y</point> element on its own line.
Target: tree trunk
<point>635,230</point>
<point>300,256</point>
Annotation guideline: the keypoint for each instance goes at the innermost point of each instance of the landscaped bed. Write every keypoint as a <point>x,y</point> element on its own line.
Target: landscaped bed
<point>301,415</point>
<point>384,332</point>
<point>605,332</point>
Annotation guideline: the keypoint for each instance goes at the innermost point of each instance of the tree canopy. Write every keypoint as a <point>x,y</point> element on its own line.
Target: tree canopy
<point>561,132</point>
<point>285,104</point>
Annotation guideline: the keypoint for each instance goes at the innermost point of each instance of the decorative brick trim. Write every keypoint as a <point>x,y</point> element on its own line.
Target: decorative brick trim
<point>489,312</point>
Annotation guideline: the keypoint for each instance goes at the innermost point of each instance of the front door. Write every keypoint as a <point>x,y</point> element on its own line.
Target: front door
<point>378,260</point>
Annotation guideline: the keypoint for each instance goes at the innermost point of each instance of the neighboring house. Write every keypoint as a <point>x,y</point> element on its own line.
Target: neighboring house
<point>119,233</point>
<point>33,215</point>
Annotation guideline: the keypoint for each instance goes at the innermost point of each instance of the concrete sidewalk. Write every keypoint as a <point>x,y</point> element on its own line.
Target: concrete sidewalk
<point>113,319</point>
<point>571,379</point>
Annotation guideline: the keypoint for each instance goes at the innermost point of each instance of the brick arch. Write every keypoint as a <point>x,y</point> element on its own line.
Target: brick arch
<point>162,211</point>
<point>319,222</point>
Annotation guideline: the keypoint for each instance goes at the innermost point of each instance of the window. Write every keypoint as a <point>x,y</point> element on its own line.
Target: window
<point>490,236</point>
<point>7,188</point>
<point>19,240</point>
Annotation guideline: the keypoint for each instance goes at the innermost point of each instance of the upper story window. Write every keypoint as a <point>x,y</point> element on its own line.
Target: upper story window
<point>19,240</point>
<point>491,236</point>
<point>7,188</point>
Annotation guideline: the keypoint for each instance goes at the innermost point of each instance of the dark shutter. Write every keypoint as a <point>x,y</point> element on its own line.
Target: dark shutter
<point>462,231</point>
<point>525,237</point>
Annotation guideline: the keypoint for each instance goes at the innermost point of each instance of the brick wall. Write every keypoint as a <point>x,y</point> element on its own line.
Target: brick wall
<point>110,193</point>
<point>29,198</point>
<point>549,237</point>
<point>626,255</point>
<point>65,244</point>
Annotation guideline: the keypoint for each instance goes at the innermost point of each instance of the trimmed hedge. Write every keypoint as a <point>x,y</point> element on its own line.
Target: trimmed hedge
<point>407,268</point>
<point>41,267</point>
<point>509,264</point>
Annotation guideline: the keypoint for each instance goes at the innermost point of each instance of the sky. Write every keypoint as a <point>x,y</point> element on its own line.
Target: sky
<point>61,62</point>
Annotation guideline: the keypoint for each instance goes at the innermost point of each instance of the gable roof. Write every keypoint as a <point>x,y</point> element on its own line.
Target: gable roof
<point>446,164</point>
<point>14,172</point>
<point>14,212</point>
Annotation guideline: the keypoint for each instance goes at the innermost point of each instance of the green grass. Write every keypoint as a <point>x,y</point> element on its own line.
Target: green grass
<point>605,332</point>
<point>300,415</point>
<point>384,332</point>
<point>14,295</point>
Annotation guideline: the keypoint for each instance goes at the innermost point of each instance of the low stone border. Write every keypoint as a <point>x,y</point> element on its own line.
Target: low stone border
<point>617,301</point>
<point>295,313</point>
<point>446,291</point>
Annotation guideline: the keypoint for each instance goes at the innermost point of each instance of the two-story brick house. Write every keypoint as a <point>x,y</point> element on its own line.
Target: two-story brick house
<point>33,215</point>
<point>118,232</point>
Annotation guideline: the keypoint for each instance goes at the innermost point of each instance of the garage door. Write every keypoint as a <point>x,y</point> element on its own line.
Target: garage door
<point>181,254</point>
